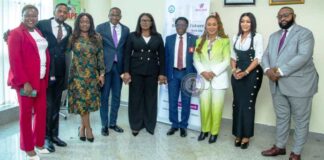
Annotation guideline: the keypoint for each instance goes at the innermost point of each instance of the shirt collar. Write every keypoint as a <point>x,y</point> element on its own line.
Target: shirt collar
<point>184,36</point>
<point>54,23</point>
<point>112,25</point>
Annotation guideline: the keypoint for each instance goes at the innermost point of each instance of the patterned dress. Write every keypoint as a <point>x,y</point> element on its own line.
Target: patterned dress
<point>86,67</point>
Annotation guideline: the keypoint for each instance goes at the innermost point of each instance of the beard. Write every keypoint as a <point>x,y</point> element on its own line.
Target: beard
<point>289,24</point>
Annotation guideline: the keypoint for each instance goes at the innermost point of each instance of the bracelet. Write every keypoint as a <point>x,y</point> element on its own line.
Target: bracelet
<point>247,72</point>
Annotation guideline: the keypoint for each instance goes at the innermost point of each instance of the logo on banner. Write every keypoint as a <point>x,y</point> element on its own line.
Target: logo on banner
<point>171,9</point>
<point>192,84</point>
<point>201,8</point>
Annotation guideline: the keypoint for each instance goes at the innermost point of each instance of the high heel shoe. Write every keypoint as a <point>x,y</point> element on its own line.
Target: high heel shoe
<point>135,133</point>
<point>34,157</point>
<point>244,145</point>
<point>90,139</point>
<point>237,142</point>
<point>212,139</point>
<point>82,138</point>
<point>202,136</point>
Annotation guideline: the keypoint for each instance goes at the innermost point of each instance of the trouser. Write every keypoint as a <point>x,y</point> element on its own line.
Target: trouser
<point>300,109</point>
<point>32,119</point>
<point>211,108</point>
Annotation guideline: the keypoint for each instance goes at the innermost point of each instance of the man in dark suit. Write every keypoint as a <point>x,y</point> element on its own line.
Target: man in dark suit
<point>288,63</point>
<point>57,33</point>
<point>114,35</point>
<point>179,50</point>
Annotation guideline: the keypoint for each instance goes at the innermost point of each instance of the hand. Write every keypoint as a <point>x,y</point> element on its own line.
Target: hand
<point>28,88</point>
<point>272,74</point>
<point>126,77</point>
<point>206,75</point>
<point>162,79</point>
<point>240,75</point>
<point>212,75</point>
<point>6,35</point>
<point>101,80</point>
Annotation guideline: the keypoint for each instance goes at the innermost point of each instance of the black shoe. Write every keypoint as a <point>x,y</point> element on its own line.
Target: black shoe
<point>244,145</point>
<point>58,142</point>
<point>172,131</point>
<point>104,131</point>
<point>237,142</point>
<point>202,136</point>
<point>90,139</point>
<point>135,133</point>
<point>212,138</point>
<point>49,145</point>
<point>116,128</point>
<point>150,132</point>
<point>183,132</point>
<point>82,138</point>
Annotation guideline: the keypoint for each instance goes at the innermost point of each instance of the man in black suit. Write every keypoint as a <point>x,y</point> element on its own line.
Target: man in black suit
<point>114,36</point>
<point>57,33</point>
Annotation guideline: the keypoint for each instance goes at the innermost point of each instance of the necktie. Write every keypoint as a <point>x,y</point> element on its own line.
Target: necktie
<point>115,38</point>
<point>59,33</point>
<point>282,40</point>
<point>180,54</point>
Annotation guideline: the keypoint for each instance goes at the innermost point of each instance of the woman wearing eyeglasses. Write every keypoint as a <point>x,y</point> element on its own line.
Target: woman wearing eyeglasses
<point>143,69</point>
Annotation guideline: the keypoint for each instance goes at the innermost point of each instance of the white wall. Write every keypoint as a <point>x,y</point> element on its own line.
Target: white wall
<point>309,15</point>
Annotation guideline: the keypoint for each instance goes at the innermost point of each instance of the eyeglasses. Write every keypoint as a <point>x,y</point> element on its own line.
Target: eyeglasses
<point>285,15</point>
<point>115,15</point>
<point>145,21</point>
<point>181,25</point>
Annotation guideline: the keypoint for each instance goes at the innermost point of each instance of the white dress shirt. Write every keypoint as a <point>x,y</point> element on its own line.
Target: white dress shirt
<point>176,47</point>
<point>55,27</point>
<point>118,30</point>
<point>245,45</point>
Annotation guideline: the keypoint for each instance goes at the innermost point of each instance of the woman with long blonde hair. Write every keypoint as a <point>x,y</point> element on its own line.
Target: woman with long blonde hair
<point>211,59</point>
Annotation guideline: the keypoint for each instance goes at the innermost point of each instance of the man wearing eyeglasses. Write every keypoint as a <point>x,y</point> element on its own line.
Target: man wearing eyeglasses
<point>179,49</point>
<point>114,36</point>
<point>288,63</point>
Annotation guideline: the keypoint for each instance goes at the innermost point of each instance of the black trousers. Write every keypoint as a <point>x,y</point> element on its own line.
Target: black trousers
<point>53,102</point>
<point>142,106</point>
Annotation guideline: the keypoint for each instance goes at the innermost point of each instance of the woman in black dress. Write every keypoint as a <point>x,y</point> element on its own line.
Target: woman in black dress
<point>246,78</point>
<point>143,69</point>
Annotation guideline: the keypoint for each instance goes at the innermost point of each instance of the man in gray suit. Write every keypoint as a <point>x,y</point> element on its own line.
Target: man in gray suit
<point>288,63</point>
<point>114,36</point>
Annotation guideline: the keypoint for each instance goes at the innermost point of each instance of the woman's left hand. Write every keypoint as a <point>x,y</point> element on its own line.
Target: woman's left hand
<point>101,80</point>
<point>162,79</point>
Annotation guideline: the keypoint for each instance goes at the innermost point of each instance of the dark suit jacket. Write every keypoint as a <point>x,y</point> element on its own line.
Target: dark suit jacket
<point>143,58</point>
<point>169,54</point>
<point>24,59</point>
<point>110,50</point>
<point>56,49</point>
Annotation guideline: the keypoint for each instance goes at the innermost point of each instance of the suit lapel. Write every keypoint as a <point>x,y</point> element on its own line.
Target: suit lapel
<point>172,49</point>
<point>290,36</point>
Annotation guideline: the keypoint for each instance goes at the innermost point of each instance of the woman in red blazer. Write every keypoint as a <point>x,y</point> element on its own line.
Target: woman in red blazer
<point>29,70</point>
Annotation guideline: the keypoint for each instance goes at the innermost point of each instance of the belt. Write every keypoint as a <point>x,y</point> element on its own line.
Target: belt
<point>179,69</point>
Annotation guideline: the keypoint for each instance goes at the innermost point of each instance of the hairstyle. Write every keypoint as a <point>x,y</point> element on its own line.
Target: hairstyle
<point>60,4</point>
<point>181,18</point>
<point>93,36</point>
<point>28,6</point>
<point>138,30</point>
<point>114,8</point>
<point>253,23</point>
<point>286,7</point>
<point>220,31</point>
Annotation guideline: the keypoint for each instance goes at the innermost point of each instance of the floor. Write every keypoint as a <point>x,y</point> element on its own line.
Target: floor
<point>124,146</point>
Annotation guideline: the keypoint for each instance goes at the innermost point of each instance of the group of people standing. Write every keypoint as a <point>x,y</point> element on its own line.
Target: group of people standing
<point>92,62</point>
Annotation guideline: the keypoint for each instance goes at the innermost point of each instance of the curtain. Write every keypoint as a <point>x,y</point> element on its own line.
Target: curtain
<point>10,17</point>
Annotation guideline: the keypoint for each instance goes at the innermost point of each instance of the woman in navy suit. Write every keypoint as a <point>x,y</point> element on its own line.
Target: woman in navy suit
<point>143,68</point>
